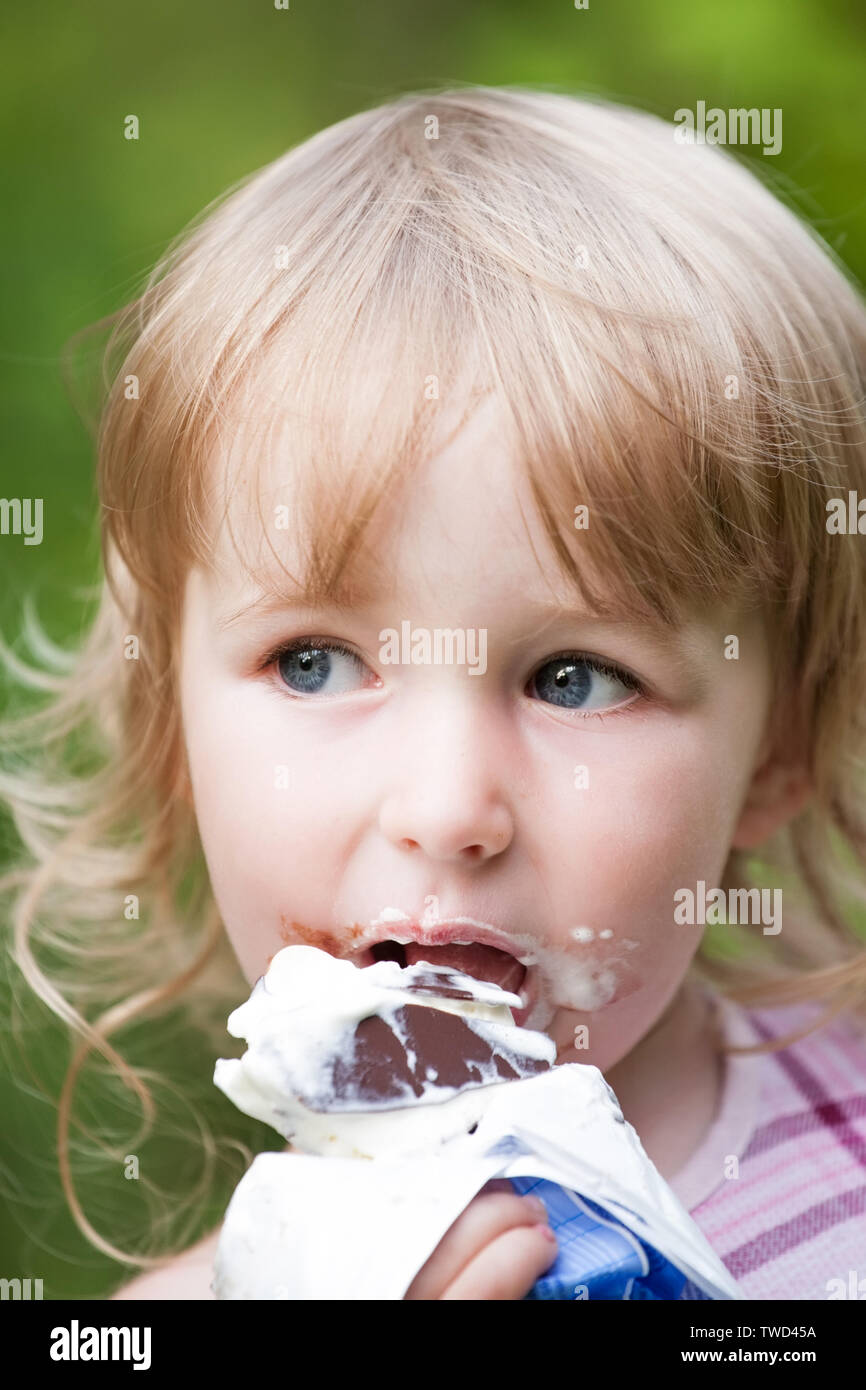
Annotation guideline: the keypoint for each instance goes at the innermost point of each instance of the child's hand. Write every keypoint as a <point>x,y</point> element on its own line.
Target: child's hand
<point>496,1249</point>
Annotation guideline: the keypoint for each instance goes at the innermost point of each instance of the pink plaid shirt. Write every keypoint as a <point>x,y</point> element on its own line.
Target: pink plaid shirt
<point>778,1185</point>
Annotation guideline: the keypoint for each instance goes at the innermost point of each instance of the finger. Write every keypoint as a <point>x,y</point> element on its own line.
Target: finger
<point>487,1216</point>
<point>508,1267</point>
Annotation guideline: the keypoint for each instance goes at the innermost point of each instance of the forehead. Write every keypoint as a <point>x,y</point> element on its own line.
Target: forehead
<point>456,534</point>
<point>463,510</point>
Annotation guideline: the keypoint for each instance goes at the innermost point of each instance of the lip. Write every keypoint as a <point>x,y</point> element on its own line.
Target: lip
<point>463,931</point>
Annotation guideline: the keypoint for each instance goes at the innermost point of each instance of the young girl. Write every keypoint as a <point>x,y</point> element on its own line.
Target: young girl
<point>526,371</point>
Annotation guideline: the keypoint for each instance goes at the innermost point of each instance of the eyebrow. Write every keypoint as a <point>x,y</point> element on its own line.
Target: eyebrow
<point>659,639</point>
<point>681,648</point>
<point>270,604</point>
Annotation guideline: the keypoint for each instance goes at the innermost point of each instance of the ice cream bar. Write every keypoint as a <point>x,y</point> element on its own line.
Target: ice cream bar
<point>384,1059</point>
<point>422,1070</point>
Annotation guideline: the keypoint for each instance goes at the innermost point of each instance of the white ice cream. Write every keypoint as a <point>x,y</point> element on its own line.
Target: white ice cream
<point>302,1015</point>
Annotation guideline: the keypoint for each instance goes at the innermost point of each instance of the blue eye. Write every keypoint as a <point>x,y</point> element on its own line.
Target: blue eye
<point>314,667</point>
<point>582,683</point>
<point>320,666</point>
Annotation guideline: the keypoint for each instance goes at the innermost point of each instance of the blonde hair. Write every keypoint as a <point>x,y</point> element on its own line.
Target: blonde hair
<point>673,348</point>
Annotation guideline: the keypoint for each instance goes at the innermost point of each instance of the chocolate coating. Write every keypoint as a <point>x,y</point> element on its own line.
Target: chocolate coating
<point>381,1071</point>
<point>424,981</point>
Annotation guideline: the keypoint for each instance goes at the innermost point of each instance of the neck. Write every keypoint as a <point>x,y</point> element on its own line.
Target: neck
<point>669,1086</point>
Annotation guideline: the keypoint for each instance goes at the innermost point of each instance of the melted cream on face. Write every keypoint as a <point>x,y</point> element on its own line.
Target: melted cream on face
<point>391,914</point>
<point>563,977</point>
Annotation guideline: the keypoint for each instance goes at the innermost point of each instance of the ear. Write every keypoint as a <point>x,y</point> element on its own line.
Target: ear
<point>780,788</point>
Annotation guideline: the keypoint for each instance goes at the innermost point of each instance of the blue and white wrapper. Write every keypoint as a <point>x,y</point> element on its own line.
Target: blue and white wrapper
<point>302,1226</point>
<point>599,1257</point>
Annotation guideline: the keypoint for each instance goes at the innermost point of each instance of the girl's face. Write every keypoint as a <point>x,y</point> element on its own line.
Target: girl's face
<point>522,781</point>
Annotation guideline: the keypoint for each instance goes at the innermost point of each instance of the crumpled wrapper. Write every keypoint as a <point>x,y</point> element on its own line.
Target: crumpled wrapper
<point>309,1227</point>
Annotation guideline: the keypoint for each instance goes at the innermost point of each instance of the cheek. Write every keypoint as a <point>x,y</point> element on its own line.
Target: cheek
<point>266,798</point>
<point>658,811</point>
<point>656,817</point>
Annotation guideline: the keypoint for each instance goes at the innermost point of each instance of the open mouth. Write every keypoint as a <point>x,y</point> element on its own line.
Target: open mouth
<point>486,963</point>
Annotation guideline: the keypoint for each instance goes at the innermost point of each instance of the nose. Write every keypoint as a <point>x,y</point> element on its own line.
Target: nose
<point>448,796</point>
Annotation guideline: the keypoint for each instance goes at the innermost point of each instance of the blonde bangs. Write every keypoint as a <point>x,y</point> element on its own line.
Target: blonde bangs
<point>386,277</point>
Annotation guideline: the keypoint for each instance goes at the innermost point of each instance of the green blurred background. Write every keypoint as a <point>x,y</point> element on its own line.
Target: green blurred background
<point>221,89</point>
